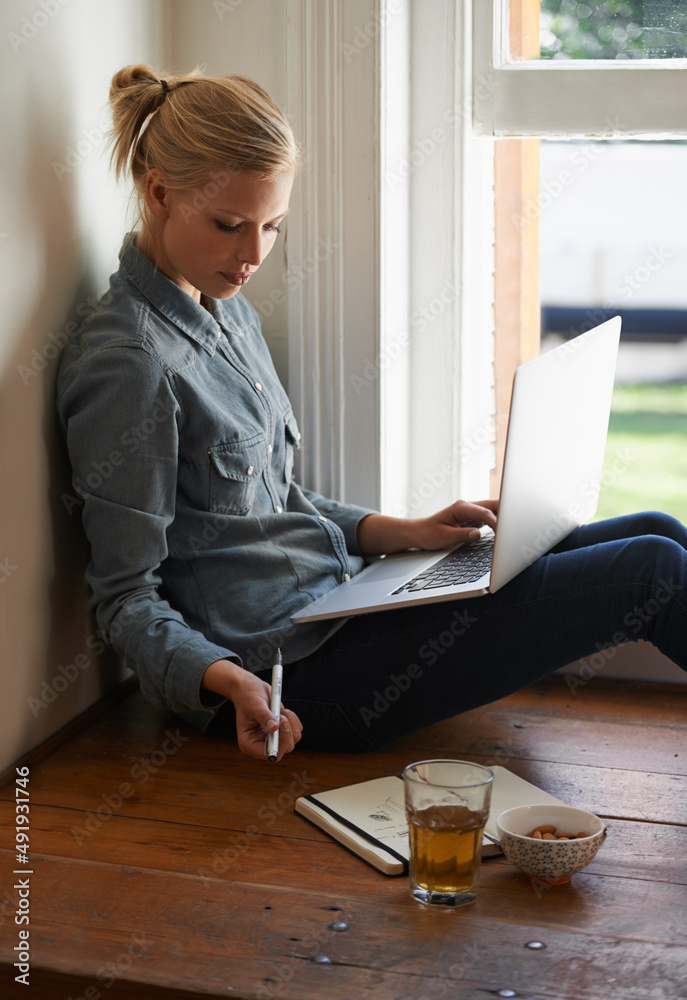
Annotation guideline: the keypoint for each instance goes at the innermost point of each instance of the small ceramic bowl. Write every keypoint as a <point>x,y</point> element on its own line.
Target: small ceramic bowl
<point>550,861</point>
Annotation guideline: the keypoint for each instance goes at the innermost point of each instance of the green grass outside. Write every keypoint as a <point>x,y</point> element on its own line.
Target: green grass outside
<point>646,454</point>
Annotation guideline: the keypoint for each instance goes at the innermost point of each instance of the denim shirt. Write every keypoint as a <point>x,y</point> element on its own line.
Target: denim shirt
<point>182,440</point>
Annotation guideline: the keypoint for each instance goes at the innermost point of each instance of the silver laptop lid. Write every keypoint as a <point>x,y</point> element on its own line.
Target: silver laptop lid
<point>555,448</point>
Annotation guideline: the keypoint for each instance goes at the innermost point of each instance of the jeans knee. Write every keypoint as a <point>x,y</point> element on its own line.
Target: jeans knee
<point>654,522</point>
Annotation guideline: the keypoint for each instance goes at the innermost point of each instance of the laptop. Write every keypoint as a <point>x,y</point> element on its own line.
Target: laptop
<point>552,470</point>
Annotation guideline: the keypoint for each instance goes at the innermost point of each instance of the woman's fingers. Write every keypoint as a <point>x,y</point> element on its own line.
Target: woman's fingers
<point>295,723</point>
<point>254,719</point>
<point>468,514</point>
<point>482,510</point>
<point>290,731</point>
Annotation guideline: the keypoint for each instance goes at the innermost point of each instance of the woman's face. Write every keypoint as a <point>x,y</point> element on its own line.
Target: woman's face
<point>210,240</point>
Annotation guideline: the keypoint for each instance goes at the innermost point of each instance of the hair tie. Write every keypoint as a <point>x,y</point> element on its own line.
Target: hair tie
<point>165,88</point>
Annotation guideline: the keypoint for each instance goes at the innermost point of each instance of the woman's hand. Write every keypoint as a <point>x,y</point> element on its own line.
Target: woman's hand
<point>254,720</point>
<point>460,522</point>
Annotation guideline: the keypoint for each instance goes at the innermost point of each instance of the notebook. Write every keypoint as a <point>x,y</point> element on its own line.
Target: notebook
<point>558,422</point>
<point>369,818</point>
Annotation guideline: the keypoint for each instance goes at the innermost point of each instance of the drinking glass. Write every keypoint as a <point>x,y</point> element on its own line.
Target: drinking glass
<point>447,807</point>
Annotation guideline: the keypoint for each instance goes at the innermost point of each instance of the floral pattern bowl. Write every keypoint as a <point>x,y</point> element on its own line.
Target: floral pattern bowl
<point>549,861</point>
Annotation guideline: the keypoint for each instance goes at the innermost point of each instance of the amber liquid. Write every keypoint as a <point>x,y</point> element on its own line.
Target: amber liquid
<point>445,846</point>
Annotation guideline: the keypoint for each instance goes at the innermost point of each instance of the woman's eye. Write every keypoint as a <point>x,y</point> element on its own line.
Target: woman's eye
<point>224,228</point>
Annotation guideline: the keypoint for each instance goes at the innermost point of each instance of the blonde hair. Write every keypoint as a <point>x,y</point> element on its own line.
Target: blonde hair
<point>191,125</point>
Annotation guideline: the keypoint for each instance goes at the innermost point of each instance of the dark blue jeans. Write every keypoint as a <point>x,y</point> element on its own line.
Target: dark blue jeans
<point>386,674</point>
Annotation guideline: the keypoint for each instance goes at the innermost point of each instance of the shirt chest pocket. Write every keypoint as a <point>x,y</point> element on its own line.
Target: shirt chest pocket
<point>235,470</point>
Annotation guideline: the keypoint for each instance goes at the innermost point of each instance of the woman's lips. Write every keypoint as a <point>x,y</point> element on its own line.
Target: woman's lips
<point>237,279</point>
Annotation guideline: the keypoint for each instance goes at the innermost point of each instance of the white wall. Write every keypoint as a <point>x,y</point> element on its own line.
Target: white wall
<point>61,223</point>
<point>248,38</point>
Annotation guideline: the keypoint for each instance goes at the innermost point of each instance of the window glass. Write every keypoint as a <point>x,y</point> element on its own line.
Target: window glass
<point>613,29</point>
<point>613,241</point>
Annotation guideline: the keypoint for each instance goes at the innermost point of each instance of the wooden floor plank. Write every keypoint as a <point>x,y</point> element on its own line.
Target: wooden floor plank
<point>564,740</point>
<point>631,849</point>
<point>633,701</point>
<point>188,793</point>
<point>492,735</point>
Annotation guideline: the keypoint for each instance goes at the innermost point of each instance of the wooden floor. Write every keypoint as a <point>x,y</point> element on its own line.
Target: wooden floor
<point>164,864</point>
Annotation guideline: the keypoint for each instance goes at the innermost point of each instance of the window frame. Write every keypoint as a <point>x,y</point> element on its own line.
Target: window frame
<point>563,99</point>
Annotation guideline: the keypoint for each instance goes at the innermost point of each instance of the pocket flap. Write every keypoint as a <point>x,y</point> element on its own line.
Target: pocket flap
<point>243,461</point>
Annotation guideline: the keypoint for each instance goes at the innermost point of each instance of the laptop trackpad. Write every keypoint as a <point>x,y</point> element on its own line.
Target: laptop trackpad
<point>396,567</point>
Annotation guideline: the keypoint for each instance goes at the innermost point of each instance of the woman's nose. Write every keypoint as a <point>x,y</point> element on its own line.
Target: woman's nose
<point>250,249</point>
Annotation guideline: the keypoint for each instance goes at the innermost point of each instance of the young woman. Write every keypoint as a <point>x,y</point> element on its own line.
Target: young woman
<point>182,444</point>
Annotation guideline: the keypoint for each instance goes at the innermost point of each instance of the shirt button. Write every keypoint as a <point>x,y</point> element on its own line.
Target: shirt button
<point>278,510</point>
<point>322,518</point>
<point>347,577</point>
<point>249,470</point>
<point>269,449</point>
<point>258,387</point>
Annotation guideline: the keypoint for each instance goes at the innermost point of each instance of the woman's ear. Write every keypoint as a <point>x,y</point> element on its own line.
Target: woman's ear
<point>157,194</point>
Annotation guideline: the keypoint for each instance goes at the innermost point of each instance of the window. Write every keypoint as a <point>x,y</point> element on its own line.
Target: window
<point>549,80</point>
<point>567,96</point>
<point>391,337</point>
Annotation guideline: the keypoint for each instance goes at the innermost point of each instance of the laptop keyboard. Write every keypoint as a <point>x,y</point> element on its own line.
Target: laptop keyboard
<point>465,565</point>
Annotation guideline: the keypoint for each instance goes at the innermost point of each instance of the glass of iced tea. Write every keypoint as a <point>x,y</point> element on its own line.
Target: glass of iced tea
<point>447,806</point>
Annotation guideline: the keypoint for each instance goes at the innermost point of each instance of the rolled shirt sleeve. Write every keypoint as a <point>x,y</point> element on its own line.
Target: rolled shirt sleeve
<point>345,516</point>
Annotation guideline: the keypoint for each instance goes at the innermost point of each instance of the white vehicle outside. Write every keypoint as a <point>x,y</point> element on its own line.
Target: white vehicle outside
<point>613,239</point>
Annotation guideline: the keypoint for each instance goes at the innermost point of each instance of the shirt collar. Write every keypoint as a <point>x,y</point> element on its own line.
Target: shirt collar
<point>174,303</point>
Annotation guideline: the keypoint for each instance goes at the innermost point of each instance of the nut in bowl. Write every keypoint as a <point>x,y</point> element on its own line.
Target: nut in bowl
<point>545,857</point>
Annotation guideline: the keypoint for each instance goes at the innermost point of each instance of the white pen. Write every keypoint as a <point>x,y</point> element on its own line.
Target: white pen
<point>272,739</point>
